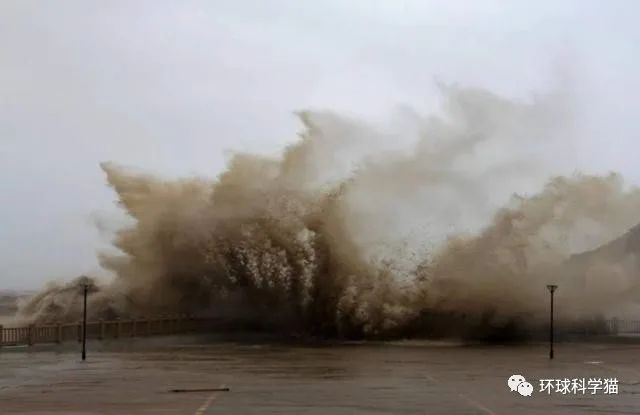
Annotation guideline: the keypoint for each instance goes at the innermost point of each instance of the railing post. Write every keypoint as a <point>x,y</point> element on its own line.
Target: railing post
<point>30,335</point>
<point>1,335</point>
<point>80,332</point>
<point>59,333</point>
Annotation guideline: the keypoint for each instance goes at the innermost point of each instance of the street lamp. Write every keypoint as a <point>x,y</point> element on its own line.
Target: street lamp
<point>84,324</point>
<point>551,289</point>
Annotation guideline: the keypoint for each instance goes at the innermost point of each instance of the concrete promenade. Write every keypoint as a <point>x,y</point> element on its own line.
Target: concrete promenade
<point>134,377</point>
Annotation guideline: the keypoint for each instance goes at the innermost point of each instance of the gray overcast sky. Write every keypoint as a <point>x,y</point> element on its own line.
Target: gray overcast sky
<point>169,87</point>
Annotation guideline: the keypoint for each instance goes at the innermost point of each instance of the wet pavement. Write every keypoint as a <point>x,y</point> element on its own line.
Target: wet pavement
<point>134,377</point>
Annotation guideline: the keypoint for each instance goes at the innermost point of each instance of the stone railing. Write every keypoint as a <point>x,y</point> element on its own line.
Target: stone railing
<point>100,330</point>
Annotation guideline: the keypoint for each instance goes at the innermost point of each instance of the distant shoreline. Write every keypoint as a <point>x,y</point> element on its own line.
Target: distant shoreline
<point>9,303</point>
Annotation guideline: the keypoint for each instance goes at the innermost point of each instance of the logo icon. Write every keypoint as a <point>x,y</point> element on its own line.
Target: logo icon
<point>519,383</point>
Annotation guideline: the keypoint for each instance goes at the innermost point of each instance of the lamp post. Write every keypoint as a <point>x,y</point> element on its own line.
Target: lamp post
<point>551,289</point>
<point>84,324</point>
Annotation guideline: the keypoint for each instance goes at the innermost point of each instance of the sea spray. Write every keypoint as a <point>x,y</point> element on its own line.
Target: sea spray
<point>346,235</point>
